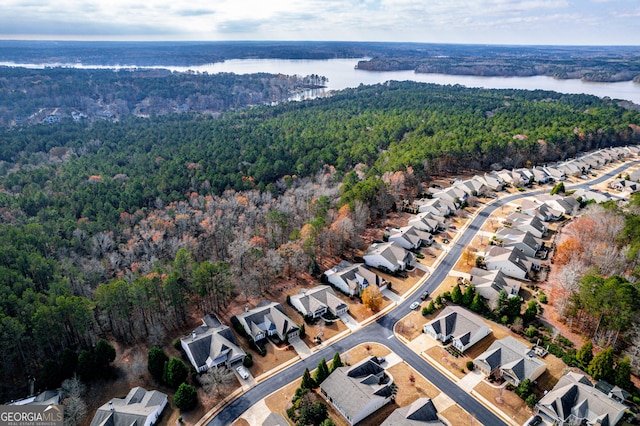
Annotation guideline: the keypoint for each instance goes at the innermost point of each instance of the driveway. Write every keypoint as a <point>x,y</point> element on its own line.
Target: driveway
<point>301,348</point>
<point>391,295</point>
<point>350,322</point>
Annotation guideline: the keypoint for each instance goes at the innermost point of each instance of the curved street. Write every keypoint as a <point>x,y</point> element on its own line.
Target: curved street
<point>381,331</point>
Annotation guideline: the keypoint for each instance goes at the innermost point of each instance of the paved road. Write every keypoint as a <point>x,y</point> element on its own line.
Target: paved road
<point>381,331</point>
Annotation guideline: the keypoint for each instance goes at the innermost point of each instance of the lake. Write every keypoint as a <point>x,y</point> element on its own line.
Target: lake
<point>342,74</point>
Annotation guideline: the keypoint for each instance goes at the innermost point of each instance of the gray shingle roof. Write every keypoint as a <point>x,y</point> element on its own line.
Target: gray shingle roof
<point>352,388</point>
<point>511,355</point>
<point>131,410</point>
<point>574,398</point>
<point>456,322</point>
<point>211,340</point>
<point>421,412</point>
<point>267,316</point>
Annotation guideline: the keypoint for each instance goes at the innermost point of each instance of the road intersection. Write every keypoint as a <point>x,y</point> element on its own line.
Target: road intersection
<point>382,330</point>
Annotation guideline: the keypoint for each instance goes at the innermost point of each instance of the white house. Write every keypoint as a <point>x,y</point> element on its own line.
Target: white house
<point>360,390</point>
<point>540,175</point>
<point>523,241</point>
<point>511,262</point>
<point>510,359</point>
<point>525,222</point>
<point>389,256</point>
<point>459,326</point>
<point>140,407</point>
<point>352,278</point>
<point>574,400</point>
<point>317,301</point>
<point>212,344</point>
<point>268,319</point>
<point>427,221</point>
<point>410,237</point>
<point>489,284</point>
<point>492,182</point>
<point>432,205</point>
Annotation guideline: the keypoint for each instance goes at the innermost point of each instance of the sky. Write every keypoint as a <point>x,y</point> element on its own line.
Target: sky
<point>557,22</point>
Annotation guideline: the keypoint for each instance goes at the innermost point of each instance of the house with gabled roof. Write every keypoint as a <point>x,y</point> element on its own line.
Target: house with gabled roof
<point>317,301</point>
<point>267,319</point>
<point>432,205</point>
<point>574,400</point>
<point>489,284</point>
<point>510,261</point>
<point>427,221</point>
<point>420,413</point>
<point>410,237</point>
<point>459,326</point>
<point>353,278</point>
<point>527,223</point>
<point>510,359</point>
<point>48,397</point>
<point>589,195</point>
<point>389,256</point>
<point>540,175</point>
<point>360,390</point>
<point>522,241</point>
<point>139,408</point>
<point>492,182</point>
<point>555,173</point>
<point>212,344</point>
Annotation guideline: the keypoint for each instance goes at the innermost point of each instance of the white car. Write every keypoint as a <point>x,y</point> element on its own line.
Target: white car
<point>414,305</point>
<point>243,372</point>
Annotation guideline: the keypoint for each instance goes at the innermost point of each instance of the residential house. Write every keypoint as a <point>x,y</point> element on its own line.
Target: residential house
<point>570,168</point>
<point>317,301</point>
<point>589,195</point>
<point>625,185</point>
<point>510,261</point>
<point>433,205</point>
<point>489,284</point>
<point>542,211</point>
<point>422,412</point>
<point>574,401</point>
<point>459,326</point>
<point>48,397</point>
<point>427,221</point>
<point>352,278</point>
<point>474,186</point>
<point>510,359</point>
<point>521,177</point>
<point>410,237</point>
<point>360,390</point>
<point>555,173</point>
<point>212,344</point>
<point>522,241</point>
<point>540,175</point>
<point>492,182</point>
<point>267,319</point>
<point>139,408</point>
<point>505,176</point>
<point>525,222</point>
<point>389,256</point>
<point>566,205</point>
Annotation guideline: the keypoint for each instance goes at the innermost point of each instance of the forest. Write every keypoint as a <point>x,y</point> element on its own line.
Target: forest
<point>120,229</point>
<point>31,96</point>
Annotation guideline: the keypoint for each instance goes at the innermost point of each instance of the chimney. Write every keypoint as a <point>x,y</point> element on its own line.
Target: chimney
<point>111,406</point>
<point>193,335</point>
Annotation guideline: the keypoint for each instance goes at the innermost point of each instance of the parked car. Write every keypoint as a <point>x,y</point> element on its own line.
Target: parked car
<point>243,372</point>
<point>414,305</point>
<point>424,295</point>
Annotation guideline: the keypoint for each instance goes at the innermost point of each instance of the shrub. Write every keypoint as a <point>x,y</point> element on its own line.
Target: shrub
<point>175,372</point>
<point>531,400</point>
<point>177,345</point>
<point>156,360</point>
<point>531,331</point>
<point>186,397</point>
<point>470,365</point>
<point>543,298</point>
<point>247,361</point>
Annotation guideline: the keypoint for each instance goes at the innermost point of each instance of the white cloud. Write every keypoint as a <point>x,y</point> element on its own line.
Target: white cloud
<point>475,21</point>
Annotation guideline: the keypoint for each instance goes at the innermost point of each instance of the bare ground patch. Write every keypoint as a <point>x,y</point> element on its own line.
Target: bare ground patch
<point>506,401</point>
